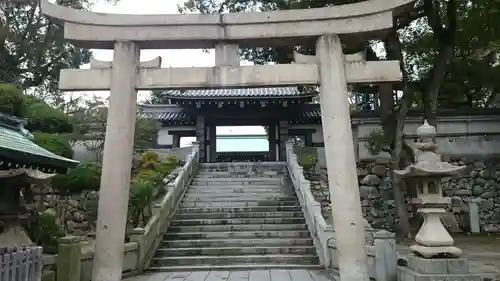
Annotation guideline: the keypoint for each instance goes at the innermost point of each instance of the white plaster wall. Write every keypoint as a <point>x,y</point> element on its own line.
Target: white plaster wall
<point>164,138</point>
<point>453,136</point>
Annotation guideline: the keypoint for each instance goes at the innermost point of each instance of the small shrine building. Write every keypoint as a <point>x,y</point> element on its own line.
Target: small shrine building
<point>284,112</point>
<point>21,158</point>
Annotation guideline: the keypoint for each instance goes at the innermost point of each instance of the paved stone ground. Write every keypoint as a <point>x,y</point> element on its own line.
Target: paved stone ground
<point>483,252</point>
<point>244,275</point>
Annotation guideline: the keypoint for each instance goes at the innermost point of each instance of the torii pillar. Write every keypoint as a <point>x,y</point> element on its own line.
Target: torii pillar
<point>348,220</point>
<point>117,165</point>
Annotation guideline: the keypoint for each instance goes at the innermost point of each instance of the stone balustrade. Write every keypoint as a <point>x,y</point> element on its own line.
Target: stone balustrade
<point>319,229</point>
<point>380,245</point>
<point>74,261</point>
<point>149,237</point>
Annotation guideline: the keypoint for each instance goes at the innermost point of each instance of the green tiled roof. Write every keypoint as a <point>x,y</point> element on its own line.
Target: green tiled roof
<point>17,150</point>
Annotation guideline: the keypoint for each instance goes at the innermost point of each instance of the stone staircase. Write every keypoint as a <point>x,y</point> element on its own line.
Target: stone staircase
<point>238,216</point>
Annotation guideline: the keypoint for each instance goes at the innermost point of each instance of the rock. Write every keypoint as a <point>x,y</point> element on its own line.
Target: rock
<point>491,228</point>
<point>368,192</point>
<point>479,165</point>
<point>477,190</point>
<point>473,174</point>
<point>50,212</point>
<point>362,172</point>
<point>485,205</point>
<point>489,194</point>
<point>450,222</point>
<point>480,181</point>
<point>461,192</point>
<point>73,203</point>
<point>379,170</point>
<point>383,160</point>
<point>370,180</point>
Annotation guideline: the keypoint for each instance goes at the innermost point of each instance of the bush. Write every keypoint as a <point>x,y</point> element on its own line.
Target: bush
<point>147,179</point>
<point>149,175</point>
<point>11,99</point>
<point>376,142</point>
<point>56,144</point>
<point>42,117</point>
<point>141,197</point>
<point>45,231</point>
<point>86,176</point>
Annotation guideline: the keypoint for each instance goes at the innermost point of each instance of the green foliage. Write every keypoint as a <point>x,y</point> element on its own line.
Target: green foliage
<point>145,133</point>
<point>11,99</point>
<point>376,142</point>
<point>151,161</point>
<point>146,183</point>
<point>42,117</point>
<point>142,190</point>
<point>36,47</point>
<point>45,231</point>
<point>86,176</point>
<point>54,143</point>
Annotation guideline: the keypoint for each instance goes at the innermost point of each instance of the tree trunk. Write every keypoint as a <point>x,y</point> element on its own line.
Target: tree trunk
<point>445,37</point>
<point>393,125</point>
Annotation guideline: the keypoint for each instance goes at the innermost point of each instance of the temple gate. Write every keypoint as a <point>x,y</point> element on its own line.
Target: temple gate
<point>127,34</point>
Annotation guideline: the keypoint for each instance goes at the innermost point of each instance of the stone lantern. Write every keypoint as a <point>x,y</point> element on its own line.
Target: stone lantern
<point>432,240</point>
<point>433,257</point>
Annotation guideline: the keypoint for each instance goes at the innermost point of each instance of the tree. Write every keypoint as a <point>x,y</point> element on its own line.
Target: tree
<point>33,49</point>
<point>91,118</point>
<point>158,97</point>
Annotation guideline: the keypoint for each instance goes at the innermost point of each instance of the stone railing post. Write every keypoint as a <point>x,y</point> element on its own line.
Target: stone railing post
<point>385,256</point>
<point>475,226</point>
<point>137,235</point>
<point>69,258</point>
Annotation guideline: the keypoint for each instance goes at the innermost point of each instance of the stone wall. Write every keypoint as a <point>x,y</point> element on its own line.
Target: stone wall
<point>481,182</point>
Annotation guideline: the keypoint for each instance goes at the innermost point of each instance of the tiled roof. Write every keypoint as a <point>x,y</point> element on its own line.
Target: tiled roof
<point>312,113</point>
<point>16,146</point>
<point>165,116</point>
<point>235,93</point>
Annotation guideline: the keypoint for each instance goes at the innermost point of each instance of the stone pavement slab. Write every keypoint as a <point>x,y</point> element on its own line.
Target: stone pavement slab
<point>238,275</point>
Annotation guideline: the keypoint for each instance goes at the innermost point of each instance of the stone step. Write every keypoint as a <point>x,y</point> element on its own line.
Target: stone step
<point>240,174</point>
<point>238,221</point>
<point>225,165</point>
<point>274,205</point>
<point>238,242</point>
<point>286,206</point>
<point>242,196</point>
<point>234,215</point>
<point>250,180</point>
<point>236,227</point>
<point>239,189</point>
<point>235,251</point>
<point>235,198</point>
<point>237,193</point>
<point>235,267</point>
<point>228,260</point>
<point>236,234</point>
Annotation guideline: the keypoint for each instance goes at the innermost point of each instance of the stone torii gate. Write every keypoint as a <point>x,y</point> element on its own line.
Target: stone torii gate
<point>127,34</point>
